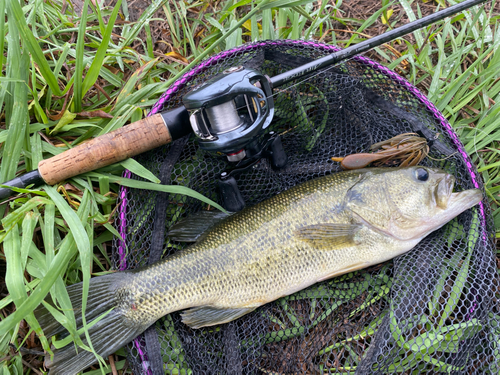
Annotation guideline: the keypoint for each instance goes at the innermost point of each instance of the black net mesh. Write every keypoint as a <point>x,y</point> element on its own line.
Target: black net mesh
<point>431,310</point>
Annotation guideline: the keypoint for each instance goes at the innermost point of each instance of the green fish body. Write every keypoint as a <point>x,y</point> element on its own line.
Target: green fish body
<point>314,231</point>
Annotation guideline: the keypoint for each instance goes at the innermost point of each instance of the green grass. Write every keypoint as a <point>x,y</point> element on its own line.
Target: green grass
<point>64,65</point>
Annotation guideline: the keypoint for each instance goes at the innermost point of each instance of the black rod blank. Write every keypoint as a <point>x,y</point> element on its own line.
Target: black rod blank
<point>367,45</point>
<point>23,181</point>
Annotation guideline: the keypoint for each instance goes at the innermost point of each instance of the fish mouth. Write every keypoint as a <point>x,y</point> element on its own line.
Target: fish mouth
<point>455,202</point>
<point>443,190</point>
<point>464,200</point>
<point>455,205</point>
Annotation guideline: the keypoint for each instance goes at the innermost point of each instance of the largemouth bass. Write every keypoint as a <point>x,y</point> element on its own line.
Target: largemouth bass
<point>312,232</point>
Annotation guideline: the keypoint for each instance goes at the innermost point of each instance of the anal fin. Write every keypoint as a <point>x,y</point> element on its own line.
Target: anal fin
<point>205,316</point>
<point>351,268</point>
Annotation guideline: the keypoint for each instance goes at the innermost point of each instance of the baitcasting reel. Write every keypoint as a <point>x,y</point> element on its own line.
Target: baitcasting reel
<point>231,110</point>
<point>229,114</point>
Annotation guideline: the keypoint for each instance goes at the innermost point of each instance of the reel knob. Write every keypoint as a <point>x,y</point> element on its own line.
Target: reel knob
<point>230,110</point>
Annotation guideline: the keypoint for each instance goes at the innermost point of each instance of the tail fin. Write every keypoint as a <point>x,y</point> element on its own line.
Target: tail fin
<point>100,299</point>
<point>107,335</point>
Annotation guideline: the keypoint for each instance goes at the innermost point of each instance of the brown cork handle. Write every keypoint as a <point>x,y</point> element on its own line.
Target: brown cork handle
<point>110,148</point>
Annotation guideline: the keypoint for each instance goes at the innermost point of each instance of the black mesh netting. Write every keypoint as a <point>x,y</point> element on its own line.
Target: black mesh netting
<point>429,311</point>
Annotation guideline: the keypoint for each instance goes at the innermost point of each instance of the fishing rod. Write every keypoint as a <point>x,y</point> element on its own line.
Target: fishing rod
<point>227,114</point>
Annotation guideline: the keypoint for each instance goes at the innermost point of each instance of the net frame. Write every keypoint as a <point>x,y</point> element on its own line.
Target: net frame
<point>441,124</point>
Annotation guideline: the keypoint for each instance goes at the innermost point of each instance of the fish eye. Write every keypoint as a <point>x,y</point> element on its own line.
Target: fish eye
<point>421,174</point>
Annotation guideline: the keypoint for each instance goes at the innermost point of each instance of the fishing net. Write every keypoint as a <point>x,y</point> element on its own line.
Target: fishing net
<point>431,310</point>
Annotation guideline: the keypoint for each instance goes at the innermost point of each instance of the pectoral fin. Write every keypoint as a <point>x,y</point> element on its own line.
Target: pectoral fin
<point>329,236</point>
<point>210,316</point>
<point>191,228</point>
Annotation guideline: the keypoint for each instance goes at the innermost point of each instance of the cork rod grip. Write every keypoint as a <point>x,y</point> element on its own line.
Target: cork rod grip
<point>110,148</point>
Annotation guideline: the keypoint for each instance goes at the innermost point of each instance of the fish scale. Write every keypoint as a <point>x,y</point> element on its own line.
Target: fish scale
<point>311,232</point>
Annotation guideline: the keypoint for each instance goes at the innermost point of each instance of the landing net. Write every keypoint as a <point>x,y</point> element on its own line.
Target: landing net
<point>429,311</point>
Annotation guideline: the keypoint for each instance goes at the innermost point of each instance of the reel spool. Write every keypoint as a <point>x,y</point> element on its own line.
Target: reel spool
<point>230,111</point>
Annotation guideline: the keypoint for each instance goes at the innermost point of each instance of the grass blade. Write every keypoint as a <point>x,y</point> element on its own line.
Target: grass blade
<point>2,37</point>
<point>97,62</point>
<point>74,222</point>
<point>18,120</point>
<point>14,278</point>
<point>173,189</point>
<point>79,62</point>
<point>58,266</point>
<point>136,168</point>
<point>32,45</point>
<point>48,229</point>
<point>28,227</point>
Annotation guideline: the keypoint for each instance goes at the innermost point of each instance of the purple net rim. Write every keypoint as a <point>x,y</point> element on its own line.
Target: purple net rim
<point>186,78</point>
<point>179,84</point>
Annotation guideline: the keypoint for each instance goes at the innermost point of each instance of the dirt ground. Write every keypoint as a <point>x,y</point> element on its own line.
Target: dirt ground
<point>357,9</point>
